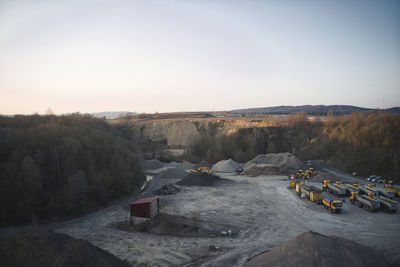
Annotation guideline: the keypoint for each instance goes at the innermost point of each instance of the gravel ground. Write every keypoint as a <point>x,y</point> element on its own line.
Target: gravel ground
<point>261,211</point>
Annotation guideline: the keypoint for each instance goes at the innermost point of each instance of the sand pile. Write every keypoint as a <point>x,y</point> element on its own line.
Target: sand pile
<point>228,165</point>
<point>152,164</point>
<point>313,249</point>
<point>203,163</point>
<point>175,173</point>
<point>199,179</point>
<point>273,164</point>
<point>46,248</point>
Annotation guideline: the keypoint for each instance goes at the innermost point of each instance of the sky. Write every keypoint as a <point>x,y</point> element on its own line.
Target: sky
<point>165,56</point>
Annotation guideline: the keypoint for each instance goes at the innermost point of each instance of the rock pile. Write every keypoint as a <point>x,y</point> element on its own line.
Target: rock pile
<point>228,165</point>
<point>45,248</point>
<point>199,179</point>
<point>314,249</point>
<point>168,189</point>
<point>273,164</point>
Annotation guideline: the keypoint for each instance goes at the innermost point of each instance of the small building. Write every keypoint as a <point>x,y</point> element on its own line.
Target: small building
<point>144,209</point>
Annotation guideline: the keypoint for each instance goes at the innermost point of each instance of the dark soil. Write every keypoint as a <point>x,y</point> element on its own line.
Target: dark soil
<point>314,249</point>
<point>45,248</point>
<point>200,179</point>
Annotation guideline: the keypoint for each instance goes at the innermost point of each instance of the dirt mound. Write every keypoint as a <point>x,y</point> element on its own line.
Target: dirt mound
<point>203,163</point>
<point>175,173</point>
<point>46,248</point>
<point>168,189</point>
<point>272,164</point>
<point>313,249</point>
<point>152,164</point>
<point>228,165</point>
<point>199,179</point>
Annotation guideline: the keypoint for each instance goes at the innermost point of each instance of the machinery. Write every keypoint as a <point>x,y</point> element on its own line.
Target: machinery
<point>335,189</point>
<point>351,188</point>
<point>334,205</point>
<point>353,197</point>
<point>292,183</point>
<point>385,192</point>
<point>369,191</point>
<point>299,174</point>
<point>392,188</point>
<point>368,203</point>
<point>387,205</point>
<point>202,169</point>
<point>312,193</point>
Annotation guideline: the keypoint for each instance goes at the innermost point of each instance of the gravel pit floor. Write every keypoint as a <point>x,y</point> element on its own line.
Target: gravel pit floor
<point>262,209</point>
<point>170,225</point>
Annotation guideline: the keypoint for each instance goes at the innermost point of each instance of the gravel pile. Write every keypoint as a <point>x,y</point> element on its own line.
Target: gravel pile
<point>199,179</point>
<point>186,165</point>
<point>203,163</point>
<point>152,164</point>
<point>228,165</point>
<point>273,164</point>
<point>168,189</point>
<point>314,249</point>
<point>46,248</point>
<point>175,173</point>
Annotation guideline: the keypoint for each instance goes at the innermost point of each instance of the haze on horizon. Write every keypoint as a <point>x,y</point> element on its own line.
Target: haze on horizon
<point>165,56</point>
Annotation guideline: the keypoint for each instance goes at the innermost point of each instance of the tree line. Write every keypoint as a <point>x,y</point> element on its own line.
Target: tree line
<point>63,166</point>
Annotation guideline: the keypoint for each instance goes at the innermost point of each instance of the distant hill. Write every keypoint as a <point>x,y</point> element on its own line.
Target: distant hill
<point>112,114</point>
<point>310,109</point>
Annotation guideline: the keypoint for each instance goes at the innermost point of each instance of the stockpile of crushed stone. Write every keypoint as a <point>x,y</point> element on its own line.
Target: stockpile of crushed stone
<point>152,164</point>
<point>46,248</point>
<point>273,164</point>
<point>314,249</point>
<point>228,165</point>
<point>168,189</point>
<point>199,179</point>
<point>186,165</point>
<point>203,163</point>
<point>175,173</point>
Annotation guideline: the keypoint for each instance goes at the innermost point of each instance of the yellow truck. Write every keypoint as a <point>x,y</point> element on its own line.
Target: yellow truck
<point>393,188</point>
<point>334,205</point>
<point>312,193</point>
<point>293,183</point>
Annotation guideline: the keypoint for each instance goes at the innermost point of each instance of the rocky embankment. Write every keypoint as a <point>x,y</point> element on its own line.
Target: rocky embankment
<point>179,133</point>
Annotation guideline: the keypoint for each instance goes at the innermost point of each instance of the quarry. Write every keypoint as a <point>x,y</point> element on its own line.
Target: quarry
<point>230,219</point>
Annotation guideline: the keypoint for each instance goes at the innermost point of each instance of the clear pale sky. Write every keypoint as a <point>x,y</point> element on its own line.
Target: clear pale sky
<point>187,55</point>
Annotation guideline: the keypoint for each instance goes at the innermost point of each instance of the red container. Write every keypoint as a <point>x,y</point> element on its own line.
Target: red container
<point>145,207</point>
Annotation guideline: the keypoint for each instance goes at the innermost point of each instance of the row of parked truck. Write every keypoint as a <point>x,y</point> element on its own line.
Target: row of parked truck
<point>314,194</point>
<point>369,197</point>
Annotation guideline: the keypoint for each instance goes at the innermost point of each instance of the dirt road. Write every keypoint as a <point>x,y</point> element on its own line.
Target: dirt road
<point>259,211</point>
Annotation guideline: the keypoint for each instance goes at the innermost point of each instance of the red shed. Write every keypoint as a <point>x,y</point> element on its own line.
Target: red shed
<point>145,208</point>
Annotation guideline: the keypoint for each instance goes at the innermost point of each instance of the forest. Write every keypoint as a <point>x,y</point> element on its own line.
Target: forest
<point>366,142</point>
<point>58,166</point>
